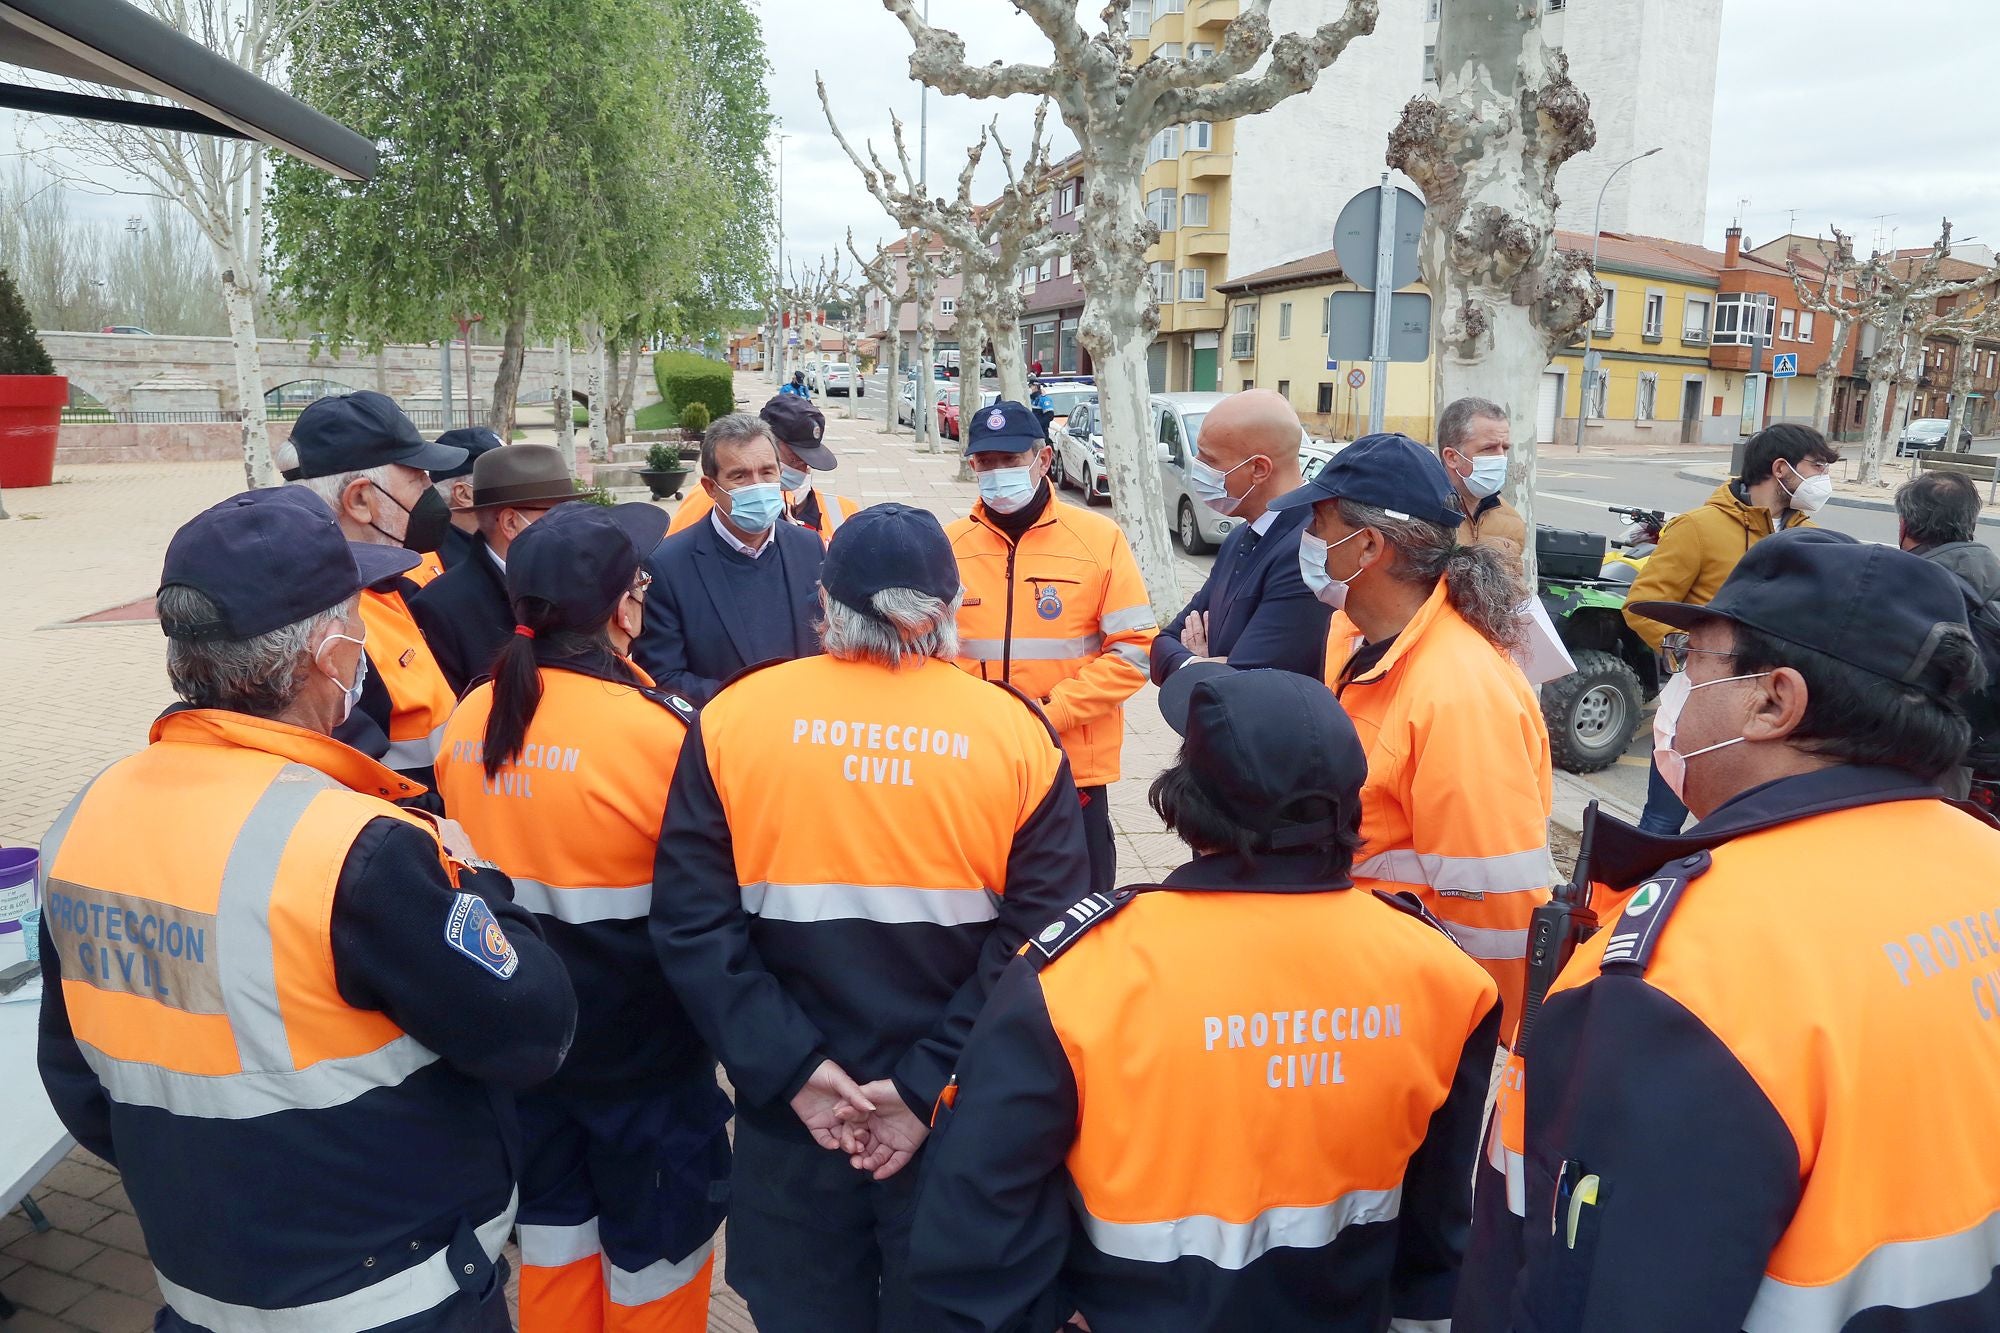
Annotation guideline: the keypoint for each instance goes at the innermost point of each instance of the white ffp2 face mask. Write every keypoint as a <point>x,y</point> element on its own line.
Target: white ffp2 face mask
<point>1313,552</point>
<point>1671,763</point>
<point>1811,494</point>
<point>350,694</point>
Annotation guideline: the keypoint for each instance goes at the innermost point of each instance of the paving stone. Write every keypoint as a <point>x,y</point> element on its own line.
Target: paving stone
<point>120,1229</point>
<point>55,1248</point>
<point>66,1212</point>
<point>112,1312</point>
<point>120,1270</point>
<point>33,1321</point>
<point>79,1178</point>
<point>33,1287</point>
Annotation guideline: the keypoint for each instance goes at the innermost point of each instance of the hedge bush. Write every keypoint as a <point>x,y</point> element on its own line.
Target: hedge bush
<point>688,377</point>
<point>695,417</point>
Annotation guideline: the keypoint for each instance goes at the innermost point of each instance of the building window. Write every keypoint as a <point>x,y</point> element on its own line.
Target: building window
<point>1805,326</point>
<point>1200,135</point>
<point>1194,284</point>
<point>1200,50</point>
<point>1162,274</point>
<point>1165,144</point>
<point>1324,406</point>
<point>1243,332</point>
<point>1656,314</point>
<point>1062,266</point>
<point>1433,10</point>
<point>947,305</point>
<point>1325,316</point>
<point>1160,209</point>
<point>1066,348</point>
<point>1069,197</point>
<point>1285,390</point>
<point>1048,270</point>
<point>1194,210</point>
<point>1788,325</point>
<point>1168,51</point>
<point>1139,20</point>
<point>1607,320</point>
<point>1248,385</point>
<point>1649,393</point>
<point>1171,6</point>
<point>1557,6</point>
<point>1694,321</point>
<point>1737,321</point>
<point>1028,278</point>
<point>1600,393</point>
<point>1430,64</point>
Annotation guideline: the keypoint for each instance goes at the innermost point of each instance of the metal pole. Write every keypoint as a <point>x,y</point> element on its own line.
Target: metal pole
<point>924,123</point>
<point>444,379</point>
<point>778,279</point>
<point>1385,262</point>
<point>1583,412</point>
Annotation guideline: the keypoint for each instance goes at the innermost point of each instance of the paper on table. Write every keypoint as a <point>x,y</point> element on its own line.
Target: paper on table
<point>1541,657</point>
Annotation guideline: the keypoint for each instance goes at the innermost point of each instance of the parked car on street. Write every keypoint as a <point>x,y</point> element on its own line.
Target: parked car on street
<point>947,407</point>
<point>812,369</point>
<point>1929,433</point>
<point>126,328</point>
<point>1064,397</point>
<point>837,377</point>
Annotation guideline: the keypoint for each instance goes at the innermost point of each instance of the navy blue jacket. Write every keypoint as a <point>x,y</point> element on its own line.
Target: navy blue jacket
<point>465,617</point>
<point>695,634</point>
<point>1260,612</point>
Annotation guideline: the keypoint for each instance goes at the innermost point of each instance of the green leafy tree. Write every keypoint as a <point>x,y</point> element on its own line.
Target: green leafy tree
<point>21,350</point>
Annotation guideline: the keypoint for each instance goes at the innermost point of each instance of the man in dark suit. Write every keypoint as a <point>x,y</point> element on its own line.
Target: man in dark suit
<point>464,612</point>
<point>739,587</point>
<point>1255,609</point>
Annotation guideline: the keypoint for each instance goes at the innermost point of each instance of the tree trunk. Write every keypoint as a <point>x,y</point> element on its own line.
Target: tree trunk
<point>1961,388</point>
<point>593,388</point>
<point>615,391</point>
<point>924,428</point>
<point>1008,363</point>
<point>971,329</point>
<point>627,421</point>
<point>1117,326</point>
<point>1880,378</point>
<point>507,379</point>
<point>241,302</point>
<point>893,381</point>
<point>1829,372</point>
<point>565,402</point>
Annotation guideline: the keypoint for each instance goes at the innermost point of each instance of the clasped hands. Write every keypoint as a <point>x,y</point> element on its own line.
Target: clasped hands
<point>869,1122</point>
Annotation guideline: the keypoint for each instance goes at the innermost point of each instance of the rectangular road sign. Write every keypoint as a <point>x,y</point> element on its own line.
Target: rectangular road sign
<point>1351,329</point>
<point>1784,365</point>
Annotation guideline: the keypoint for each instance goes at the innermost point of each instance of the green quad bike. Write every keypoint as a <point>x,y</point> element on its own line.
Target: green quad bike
<point>1593,712</point>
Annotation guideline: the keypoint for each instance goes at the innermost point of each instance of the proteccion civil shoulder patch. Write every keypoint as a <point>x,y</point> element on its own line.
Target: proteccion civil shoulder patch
<point>1049,942</point>
<point>1636,931</point>
<point>473,930</point>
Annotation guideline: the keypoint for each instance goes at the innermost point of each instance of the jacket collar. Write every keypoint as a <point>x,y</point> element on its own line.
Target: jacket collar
<point>1047,519</point>
<point>1435,608</point>
<point>1267,872</point>
<point>185,725</point>
<point>1622,855</point>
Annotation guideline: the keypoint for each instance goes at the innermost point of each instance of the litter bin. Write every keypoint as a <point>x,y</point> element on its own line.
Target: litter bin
<point>19,916</point>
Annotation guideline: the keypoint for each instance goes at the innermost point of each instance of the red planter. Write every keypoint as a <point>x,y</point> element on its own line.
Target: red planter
<point>30,419</point>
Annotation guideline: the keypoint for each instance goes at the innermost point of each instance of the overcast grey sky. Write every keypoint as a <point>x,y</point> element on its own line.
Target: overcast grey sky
<point>1835,108</point>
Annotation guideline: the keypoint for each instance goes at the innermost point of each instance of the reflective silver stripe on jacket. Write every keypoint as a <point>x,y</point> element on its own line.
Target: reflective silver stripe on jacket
<point>1510,1164</point>
<point>1133,653</point>
<point>1485,942</point>
<point>889,904</point>
<point>419,753</point>
<point>545,1246</point>
<point>1903,1275</point>
<point>1514,872</point>
<point>1234,1245</point>
<point>401,1295</point>
<point>1131,618</point>
<point>1032,650</point>
<point>629,902</point>
<point>656,1281</point>
<point>269,1078</point>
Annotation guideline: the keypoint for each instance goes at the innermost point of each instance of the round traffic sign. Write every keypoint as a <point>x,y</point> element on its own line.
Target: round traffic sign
<point>1356,378</point>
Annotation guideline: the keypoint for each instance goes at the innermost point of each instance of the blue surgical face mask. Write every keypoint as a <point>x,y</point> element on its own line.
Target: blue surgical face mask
<point>1489,474</point>
<point>793,478</point>
<point>351,694</point>
<point>1211,486</point>
<point>754,508</point>
<point>1312,568</point>
<point>1007,490</point>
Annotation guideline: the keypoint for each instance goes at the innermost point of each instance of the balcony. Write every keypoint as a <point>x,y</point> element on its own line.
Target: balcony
<point>1202,13</point>
<point>1204,242</point>
<point>1242,346</point>
<point>1694,337</point>
<point>1206,165</point>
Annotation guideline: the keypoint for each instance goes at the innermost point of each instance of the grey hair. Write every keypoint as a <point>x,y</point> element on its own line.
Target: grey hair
<point>732,428</point>
<point>1483,585</point>
<point>901,625</point>
<point>1455,422</point>
<point>329,488</point>
<point>261,675</point>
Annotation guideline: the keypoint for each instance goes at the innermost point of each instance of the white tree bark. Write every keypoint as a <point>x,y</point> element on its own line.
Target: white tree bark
<point>1486,151</point>
<point>593,389</point>
<point>1848,292</point>
<point>1113,109</point>
<point>566,402</point>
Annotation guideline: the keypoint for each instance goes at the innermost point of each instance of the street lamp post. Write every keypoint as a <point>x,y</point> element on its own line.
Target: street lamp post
<point>1596,233</point>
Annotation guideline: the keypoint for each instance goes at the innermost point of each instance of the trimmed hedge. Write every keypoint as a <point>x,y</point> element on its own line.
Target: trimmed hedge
<point>696,416</point>
<point>688,377</point>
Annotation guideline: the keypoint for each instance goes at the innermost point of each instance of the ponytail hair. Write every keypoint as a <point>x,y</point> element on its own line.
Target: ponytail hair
<point>517,673</point>
<point>1482,584</point>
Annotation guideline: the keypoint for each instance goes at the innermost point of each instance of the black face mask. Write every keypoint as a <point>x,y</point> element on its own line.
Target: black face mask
<point>430,519</point>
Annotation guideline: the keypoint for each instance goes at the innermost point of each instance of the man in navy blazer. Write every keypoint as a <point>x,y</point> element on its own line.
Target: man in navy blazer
<point>739,587</point>
<point>1255,609</point>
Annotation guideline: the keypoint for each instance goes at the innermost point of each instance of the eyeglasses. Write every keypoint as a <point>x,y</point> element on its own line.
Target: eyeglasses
<point>1676,650</point>
<point>640,584</point>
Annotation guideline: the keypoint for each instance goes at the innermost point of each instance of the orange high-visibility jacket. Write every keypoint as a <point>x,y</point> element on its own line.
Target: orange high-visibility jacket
<point>1196,1115</point>
<point>276,1140</point>
<point>1064,618</point>
<point>833,511</point>
<point>1456,806</point>
<point>420,699</point>
<point>1762,1096</point>
<point>850,855</point>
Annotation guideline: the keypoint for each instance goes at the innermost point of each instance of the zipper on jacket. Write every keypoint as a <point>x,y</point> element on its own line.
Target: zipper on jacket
<point>1007,634</point>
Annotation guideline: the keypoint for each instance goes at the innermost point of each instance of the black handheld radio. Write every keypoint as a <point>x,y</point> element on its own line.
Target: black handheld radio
<point>1555,930</point>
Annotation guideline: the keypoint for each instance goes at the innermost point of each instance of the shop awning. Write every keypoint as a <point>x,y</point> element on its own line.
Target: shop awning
<point>114,45</point>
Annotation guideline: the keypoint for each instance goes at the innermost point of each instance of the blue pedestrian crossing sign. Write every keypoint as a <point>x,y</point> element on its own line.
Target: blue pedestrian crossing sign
<point>1784,365</point>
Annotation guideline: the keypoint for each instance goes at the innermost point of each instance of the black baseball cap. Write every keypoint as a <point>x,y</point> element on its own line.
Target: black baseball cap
<point>352,432</point>
<point>475,440</point>
<point>269,558</point>
<point>800,425</point>
<point>1872,607</point>
<point>581,558</point>
<point>1391,472</point>
<point>1261,742</point>
<point>888,546</point>
<point>1003,427</point>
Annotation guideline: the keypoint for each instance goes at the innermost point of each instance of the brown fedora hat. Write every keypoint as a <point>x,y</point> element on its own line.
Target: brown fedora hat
<point>521,474</point>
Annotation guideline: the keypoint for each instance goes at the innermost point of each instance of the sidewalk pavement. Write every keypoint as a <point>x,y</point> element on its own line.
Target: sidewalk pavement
<point>1850,493</point>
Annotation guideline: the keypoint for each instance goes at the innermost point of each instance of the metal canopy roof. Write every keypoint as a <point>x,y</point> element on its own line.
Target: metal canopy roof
<point>109,42</point>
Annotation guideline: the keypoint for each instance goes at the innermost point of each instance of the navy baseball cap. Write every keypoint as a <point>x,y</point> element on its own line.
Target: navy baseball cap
<point>1872,607</point>
<point>1391,472</point>
<point>800,425</point>
<point>353,432</point>
<point>888,546</point>
<point>475,440</point>
<point>1262,744</point>
<point>581,558</point>
<point>1003,427</point>
<point>268,559</point>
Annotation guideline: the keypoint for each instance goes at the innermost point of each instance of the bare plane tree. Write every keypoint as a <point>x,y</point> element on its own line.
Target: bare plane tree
<point>1486,150</point>
<point>1114,109</point>
<point>1978,319</point>
<point>880,273</point>
<point>1847,293</point>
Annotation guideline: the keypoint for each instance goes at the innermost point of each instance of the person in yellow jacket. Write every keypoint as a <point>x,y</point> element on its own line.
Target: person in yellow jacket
<point>558,769</point>
<point>1784,483</point>
<point>1054,606</point>
<point>798,427</point>
<point>1456,805</point>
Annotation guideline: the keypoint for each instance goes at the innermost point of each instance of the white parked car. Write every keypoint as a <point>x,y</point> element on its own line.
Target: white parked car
<point>837,377</point>
<point>812,369</point>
